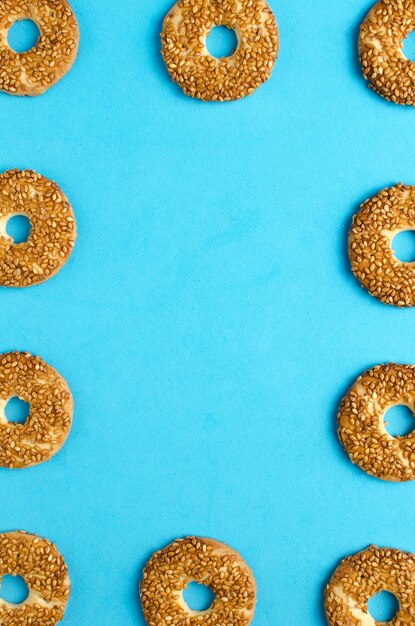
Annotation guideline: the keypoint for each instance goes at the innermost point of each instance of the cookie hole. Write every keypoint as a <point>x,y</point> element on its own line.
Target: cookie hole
<point>23,36</point>
<point>409,46</point>
<point>403,245</point>
<point>399,421</point>
<point>17,410</point>
<point>13,589</point>
<point>383,607</point>
<point>18,228</point>
<point>221,42</point>
<point>198,597</point>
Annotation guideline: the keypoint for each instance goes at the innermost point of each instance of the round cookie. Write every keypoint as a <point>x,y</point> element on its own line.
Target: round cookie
<point>53,228</point>
<point>51,407</point>
<point>203,76</point>
<point>383,62</point>
<point>372,259</point>
<point>31,73</point>
<point>207,562</point>
<point>361,576</point>
<point>44,570</point>
<point>361,426</point>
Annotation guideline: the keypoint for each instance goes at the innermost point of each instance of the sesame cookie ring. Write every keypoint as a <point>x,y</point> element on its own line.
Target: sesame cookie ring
<point>361,426</point>
<point>31,73</point>
<point>209,563</point>
<point>365,574</point>
<point>383,62</point>
<point>53,228</point>
<point>44,570</point>
<point>203,76</point>
<point>373,261</point>
<point>51,407</point>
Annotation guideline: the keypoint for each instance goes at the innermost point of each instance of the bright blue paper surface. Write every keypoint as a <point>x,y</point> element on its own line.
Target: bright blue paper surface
<point>208,323</point>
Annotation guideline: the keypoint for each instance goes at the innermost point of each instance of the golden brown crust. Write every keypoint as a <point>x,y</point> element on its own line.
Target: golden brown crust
<point>53,233</point>
<point>361,425</point>
<point>45,573</point>
<point>31,73</point>
<point>361,576</point>
<point>207,562</point>
<point>51,407</point>
<point>384,64</point>
<point>202,76</point>
<point>372,259</point>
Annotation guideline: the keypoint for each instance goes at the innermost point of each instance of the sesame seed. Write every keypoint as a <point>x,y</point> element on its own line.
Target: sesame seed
<point>53,228</point>
<point>31,73</point>
<point>209,563</point>
<point>203,76</point>
<point>361,426</point>
<point>361,576</point>
<point>51,407</point>
<point>44,570</point>
<point>372,259</point>
<point>383,62</point>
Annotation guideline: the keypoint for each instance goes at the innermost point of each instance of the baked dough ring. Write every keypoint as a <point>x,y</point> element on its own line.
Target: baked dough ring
<point>203,76</point>
<point>31,73</point>
<point>51,408</point>
<point>373,261</point>
<point>53,233</point>
<point>361,576</point>
<point>361,426</point>
<point>207,562</point>
<point>383,62</point>
<point>44,570</point>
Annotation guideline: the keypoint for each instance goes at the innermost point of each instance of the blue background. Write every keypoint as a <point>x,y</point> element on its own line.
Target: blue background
<point>208,323</point>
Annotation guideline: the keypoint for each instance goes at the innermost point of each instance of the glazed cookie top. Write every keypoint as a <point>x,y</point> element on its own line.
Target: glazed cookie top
<point>205,561</point>
<point>33,72</point>
<point>44,570</point>
<point>53,228</point>
<point>203,76</point>
<point>361,576</point>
